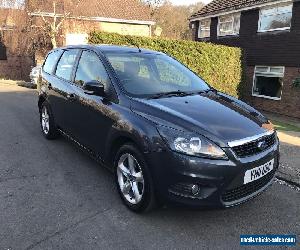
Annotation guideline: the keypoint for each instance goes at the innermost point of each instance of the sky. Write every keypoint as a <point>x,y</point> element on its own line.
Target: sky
<point>182,2</point>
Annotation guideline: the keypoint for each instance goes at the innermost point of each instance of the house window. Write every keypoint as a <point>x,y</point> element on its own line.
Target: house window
<point>229,25</point>
<point>268,82</point>
<point>276,18</point>
<point>204,28</point>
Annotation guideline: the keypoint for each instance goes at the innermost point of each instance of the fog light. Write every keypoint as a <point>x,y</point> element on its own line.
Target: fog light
<point>195,189</point>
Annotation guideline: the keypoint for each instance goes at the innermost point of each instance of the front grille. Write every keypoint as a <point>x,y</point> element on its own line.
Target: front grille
<point>248,189</point>
<point>252,148</point>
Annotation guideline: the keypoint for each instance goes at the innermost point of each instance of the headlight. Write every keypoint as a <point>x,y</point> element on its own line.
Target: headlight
<point>191,144</point>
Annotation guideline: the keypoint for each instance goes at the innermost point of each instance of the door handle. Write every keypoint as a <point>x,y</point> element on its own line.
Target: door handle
<point>71,97</point>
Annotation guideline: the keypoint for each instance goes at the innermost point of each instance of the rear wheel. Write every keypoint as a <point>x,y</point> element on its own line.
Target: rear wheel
<point>48,126</point>
<point>133,179</point>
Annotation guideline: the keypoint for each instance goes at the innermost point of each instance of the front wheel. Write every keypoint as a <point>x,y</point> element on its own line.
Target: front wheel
<point>48,126</point>
<point>133,179</point>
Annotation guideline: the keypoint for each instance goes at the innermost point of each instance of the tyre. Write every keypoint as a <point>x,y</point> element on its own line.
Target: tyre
<point>48,126</point>
<point>133,179</point>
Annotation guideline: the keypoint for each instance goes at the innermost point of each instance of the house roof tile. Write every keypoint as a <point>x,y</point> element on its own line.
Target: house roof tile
<point>218,6</point>
<point>118,9</point>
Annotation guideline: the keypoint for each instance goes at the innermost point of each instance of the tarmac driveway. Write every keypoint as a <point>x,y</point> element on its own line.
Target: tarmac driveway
<point>289,169</point>
<point>53,196</point>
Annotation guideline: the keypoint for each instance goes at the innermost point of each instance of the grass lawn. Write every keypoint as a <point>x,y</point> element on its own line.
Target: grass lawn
<point>281,126</point>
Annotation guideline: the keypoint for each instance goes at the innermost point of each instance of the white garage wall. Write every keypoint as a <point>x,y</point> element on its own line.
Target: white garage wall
<point>76,39</point>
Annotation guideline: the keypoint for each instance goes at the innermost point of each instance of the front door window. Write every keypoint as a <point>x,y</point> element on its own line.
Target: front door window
<point>90,68</point>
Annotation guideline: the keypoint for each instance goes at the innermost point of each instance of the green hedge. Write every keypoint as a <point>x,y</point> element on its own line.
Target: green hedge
<point>219,65</point>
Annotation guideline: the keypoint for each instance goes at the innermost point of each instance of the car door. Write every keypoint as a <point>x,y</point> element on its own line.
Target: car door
<point>61,96</point>
<point>92,116</point>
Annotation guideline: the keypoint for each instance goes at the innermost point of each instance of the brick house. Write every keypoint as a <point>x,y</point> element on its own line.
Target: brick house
<point>12,64</point>
<point>128,17</point>
<point>268,31</point>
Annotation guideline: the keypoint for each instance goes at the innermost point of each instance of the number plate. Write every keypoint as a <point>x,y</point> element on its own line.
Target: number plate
<point>256,173</point>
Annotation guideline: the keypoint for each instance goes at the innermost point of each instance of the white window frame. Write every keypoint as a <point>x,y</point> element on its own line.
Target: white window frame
<point>268,73</point>
<point>232,24</point>
<point>199,28</point>
<point>274,14</point>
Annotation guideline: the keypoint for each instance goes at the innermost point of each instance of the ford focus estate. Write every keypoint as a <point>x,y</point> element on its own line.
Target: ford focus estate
<point>163,131</point>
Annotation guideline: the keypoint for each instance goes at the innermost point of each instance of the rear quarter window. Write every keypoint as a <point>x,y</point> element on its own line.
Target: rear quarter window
<point>51,61</point>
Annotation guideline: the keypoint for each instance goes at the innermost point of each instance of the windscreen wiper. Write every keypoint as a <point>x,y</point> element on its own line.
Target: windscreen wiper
<point>206,91</point>
<point>171,93</point>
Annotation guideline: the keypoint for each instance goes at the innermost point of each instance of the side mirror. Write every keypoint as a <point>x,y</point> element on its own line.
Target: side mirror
<point>94,88</point>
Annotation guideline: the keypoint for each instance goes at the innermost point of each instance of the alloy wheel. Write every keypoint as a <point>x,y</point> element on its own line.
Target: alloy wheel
<point>130,178</point>
<point>45,120</point>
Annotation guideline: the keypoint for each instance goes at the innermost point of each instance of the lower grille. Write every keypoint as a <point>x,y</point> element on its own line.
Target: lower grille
<point>248,189</point>
<point>184,189</point>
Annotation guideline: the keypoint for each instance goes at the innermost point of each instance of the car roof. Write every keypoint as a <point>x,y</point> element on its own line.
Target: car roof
<point>105,48</point>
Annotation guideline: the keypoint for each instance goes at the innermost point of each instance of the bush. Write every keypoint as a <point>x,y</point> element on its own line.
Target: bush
<point>218,65</point>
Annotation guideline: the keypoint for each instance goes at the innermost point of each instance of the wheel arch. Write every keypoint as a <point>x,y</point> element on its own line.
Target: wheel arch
<point>41,100</point>
<point>116,142</point>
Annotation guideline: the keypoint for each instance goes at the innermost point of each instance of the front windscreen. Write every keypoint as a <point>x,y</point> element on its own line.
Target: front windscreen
<point>144,75</point>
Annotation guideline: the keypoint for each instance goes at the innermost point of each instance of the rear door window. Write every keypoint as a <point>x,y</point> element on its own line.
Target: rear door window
<point>51,61</point>
<point>66,63</point>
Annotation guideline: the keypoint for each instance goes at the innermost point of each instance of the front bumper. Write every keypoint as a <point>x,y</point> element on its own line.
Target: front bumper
<point>221,182</point>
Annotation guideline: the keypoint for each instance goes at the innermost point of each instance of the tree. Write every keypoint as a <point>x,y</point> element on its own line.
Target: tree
<point>35,26</point>
<point>193,8</point>
<point>9,4</point>
<point>53,15</point>
<point>173,19</point>
<point>153,2</point>
<point>154,5</point>
<point>12,26</point>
